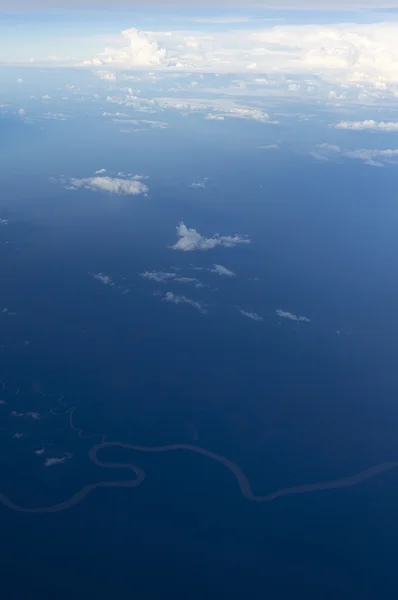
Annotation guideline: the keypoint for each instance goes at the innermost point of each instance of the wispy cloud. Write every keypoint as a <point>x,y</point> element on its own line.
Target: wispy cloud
<point>191,239</point>
<point>372,157</point>
<point>199,184</point>
<point>51,462</point>
<point>292,317</point>
<point>158,276</point>
<point>375,157</point>
<point>131,186</point>
<point>223,271</point>
<point>162,277</point>
<point>176,299</point>
<point>270,147</point>
<point>251,315</point>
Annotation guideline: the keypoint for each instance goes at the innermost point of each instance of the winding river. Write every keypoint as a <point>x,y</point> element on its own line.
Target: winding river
<point>139,474</point>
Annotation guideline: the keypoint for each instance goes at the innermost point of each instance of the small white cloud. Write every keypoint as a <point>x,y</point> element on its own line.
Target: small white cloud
<point>49,116</point>
<point>288,315</point>
<point>100,172</point>
<point>22,112</point>
<point>251,315</point>
<point>51,462</point>
<point>46,97</point>
<point>113,185</point>
<point>158,276</point>
<point>199,184</point>
<point>223,271</point>
<point>106,75</point>
<point>329,147</point>
<point>17,436</point>
<point>3,402</point>
<point>20,80</point>
<point>39,451</point>
<point>105,279</point>
<point>3,222</point>
<point>176,299</point>
<point>368,125</point>
<point>214,117</point>
<point>270,147</point>
<point>162,277</point>
<point>374,158</point>
<point>33,415</point>
<point>190,240</point>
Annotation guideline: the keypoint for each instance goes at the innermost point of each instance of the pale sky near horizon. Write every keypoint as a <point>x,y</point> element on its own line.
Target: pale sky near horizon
<point>31,6</point>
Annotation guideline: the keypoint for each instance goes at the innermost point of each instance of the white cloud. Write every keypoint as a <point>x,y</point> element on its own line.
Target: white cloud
<point>106,75</point>
<point>105,279</point>
<point>270,147</point>
<point>176,299</point>
<point>22,112</point>
<point>158,276</point>
<point>329,147</point>
<point>3,222</point>
<point>56,116</point>
<point>100,172</point>
<point>201,184</point>
<point>251,315</point>
<point>33,415</point>
<point>140,50</point>
<point>113,185</point>
<point>190,240</point>
<point>39,451</point>
<point>374,158</point>
<point>51,462</point>
<point>223,271</point>
<point>359,55</point>
<point>17,436</point>
<point>291,317</point>
<point>368,125</point>
<point>162,277</point>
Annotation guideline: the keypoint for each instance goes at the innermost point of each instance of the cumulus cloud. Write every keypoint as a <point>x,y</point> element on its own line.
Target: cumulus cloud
<point>190,240</point>
<point>176,299</point>
<point>368,125</point>
<point>131,186</point>
<point>223,271</point>
<point>357,55</point>
<point>138,49</point>
<point>100,172</point>
<point>251,315</point>
<point>292,317</point>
